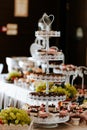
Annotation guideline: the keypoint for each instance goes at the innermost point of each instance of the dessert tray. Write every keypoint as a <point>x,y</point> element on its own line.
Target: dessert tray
<point>51,120</point>
<point>45,97</point>
<point>48,77</point>
<point>45,54</point>
<point>43,34</point>
<point>52,54</point>
<point>50,57</point>
<point>66,69</point>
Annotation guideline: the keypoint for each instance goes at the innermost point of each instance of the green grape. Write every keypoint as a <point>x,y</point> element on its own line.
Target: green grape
<point>6,115</point>
<point>51,84</point>
<point>40,88</point>
<point>2,117</point>
<point>22,123</point>
<point>12,115</point>
<point>71,89</point>
<point>18,115</point>
<point>61,90</point>
<point>16,121</point>
<point>5,121</point>
<point>15,116</point>
<point>53,89</point>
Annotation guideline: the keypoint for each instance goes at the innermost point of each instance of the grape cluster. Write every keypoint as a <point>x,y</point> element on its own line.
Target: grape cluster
<point>12,75</point>
<point>14,116</point>
<point>66,89</point>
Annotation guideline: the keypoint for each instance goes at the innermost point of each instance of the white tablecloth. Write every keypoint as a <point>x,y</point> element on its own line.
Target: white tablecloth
<point>12,94</point>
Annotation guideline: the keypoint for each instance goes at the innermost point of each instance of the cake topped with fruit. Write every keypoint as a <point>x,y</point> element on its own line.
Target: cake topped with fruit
<point>13,75</point>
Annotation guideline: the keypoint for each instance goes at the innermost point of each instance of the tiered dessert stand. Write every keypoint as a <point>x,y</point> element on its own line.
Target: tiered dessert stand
<point>42,52</point>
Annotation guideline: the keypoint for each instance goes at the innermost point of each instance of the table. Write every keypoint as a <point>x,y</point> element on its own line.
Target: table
<point>64,126</point>
<point>11,94</point>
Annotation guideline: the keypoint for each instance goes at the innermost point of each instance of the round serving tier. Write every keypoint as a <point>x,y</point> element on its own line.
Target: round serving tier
<point>43,34</point>
<point>49,57</point>
<point>65,72</point>
<point>48,77</point>
<point>47,97</point>
<point>44,65</point>
<point>51,120</point>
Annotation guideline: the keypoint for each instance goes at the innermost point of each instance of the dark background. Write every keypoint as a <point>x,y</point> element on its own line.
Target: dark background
<point>69,15</point>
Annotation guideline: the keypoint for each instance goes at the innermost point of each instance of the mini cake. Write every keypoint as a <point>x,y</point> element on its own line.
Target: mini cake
<point>73,106</point>
<point>63,113</point>
<point>51,107</point>
<point>42,107</point>
<point>34,112</point>
<point>43,114</point>
<point>54,113</point>
<point>35,107</point>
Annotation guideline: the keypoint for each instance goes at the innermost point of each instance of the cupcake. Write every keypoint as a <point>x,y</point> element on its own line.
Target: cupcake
<point>51,107</point>
<point>63,113</point>
<point>34,112</point>
<point>43,114</point>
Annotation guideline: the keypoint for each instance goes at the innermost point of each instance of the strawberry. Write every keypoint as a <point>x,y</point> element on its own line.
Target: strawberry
<point>1,121</point>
